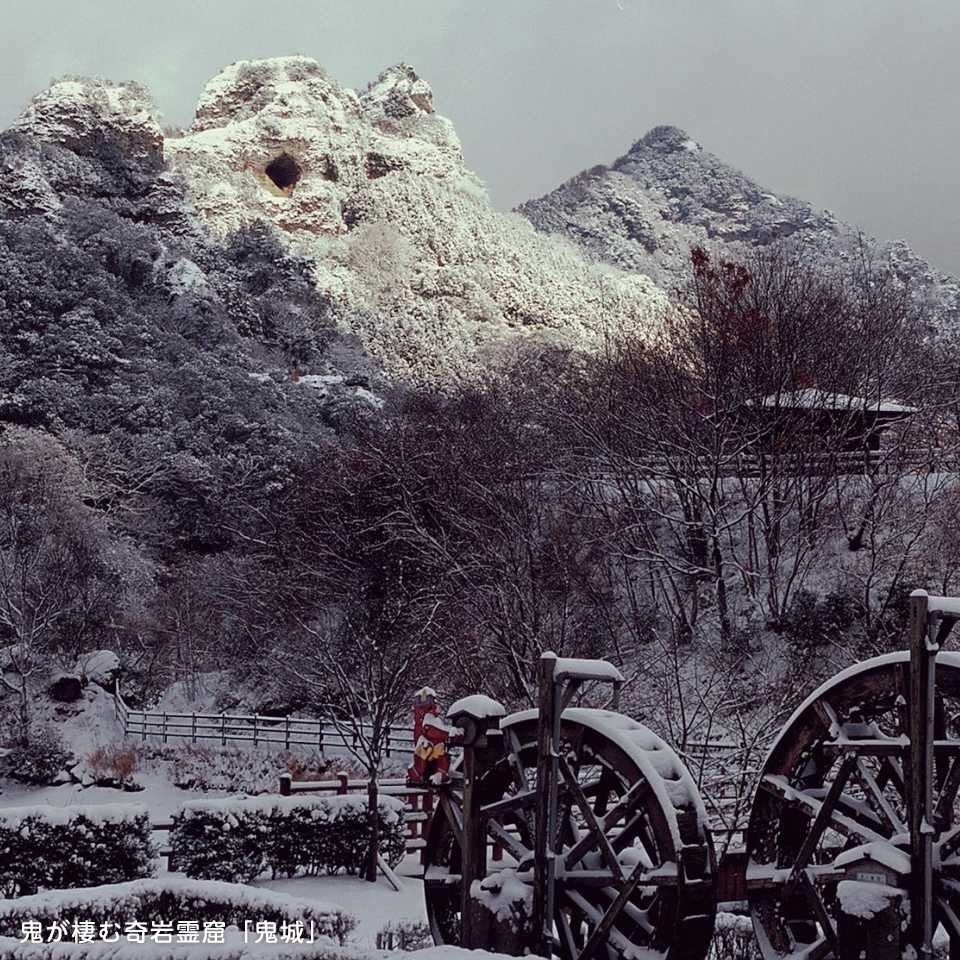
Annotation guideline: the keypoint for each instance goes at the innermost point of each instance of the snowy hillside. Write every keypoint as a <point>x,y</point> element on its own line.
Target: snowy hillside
<point>667,193</point>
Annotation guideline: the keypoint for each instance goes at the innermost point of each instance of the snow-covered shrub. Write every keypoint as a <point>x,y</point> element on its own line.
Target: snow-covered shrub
<point>238,840</point>
<point>812,622</point>
<point>733,939</point>
<point>43,847</point>
<point>149,901</point>
<point>236,770</point>
<point>404,935</point>
<point>113,765</point>
<point>38,760</point>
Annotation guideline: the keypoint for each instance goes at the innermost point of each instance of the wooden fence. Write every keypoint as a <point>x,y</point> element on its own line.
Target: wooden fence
<point>418,800</point>
<point>223,728</point>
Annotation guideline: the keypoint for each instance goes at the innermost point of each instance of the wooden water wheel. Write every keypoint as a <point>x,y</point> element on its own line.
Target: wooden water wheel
<point>868,770</point>
<point>633,862</point>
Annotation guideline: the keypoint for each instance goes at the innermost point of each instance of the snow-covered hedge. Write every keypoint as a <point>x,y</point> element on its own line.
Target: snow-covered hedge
<point>238,840</point>
<point>44,847</point>
<point>155,901</point>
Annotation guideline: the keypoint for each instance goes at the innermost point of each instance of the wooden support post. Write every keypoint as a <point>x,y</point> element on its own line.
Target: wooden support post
<point>286,734</point>
<point>428,807</point>
<point>193,728</point>
<point>223,729</point>
<point>164,728</point>
<point>342,779</point>
<point>286,783</point>
<point>474,849</point>
<point>546,818</point>
<point>923,653</point>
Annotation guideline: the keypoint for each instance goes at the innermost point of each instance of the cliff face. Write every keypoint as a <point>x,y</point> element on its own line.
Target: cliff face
<point>666,194</point>
<point>372,187</point>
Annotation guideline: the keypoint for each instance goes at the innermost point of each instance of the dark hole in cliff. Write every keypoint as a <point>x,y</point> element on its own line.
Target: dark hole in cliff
<point>283,171</point>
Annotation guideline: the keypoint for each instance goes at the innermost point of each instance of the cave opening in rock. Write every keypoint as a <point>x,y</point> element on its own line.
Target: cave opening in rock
<point>284,171</point>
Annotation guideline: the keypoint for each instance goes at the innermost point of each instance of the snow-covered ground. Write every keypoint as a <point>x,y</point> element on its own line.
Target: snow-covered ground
<point>373,904</point>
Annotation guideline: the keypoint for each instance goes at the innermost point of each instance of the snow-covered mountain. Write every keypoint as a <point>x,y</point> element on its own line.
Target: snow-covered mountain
<point>371,187</point>
<point>666,194</point>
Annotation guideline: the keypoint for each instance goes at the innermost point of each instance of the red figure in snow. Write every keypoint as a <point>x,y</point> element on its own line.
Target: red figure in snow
<point>431,762</point>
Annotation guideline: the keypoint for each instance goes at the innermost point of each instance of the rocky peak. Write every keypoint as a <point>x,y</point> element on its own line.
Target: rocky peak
<point>666,139</point>
<point>398,92</point>
<point>279,87</point>
<point>84,114</point>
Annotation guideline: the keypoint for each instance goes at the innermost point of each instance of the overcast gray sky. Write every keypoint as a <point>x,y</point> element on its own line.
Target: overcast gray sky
<point>849,104</point>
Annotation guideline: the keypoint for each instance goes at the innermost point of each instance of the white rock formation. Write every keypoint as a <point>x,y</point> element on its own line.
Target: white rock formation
<point>373,187</point>
<point>75,112</point>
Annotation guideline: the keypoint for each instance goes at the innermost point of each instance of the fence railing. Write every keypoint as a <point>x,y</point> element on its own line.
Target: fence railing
<point>255,729</point>
<point>418,800</point>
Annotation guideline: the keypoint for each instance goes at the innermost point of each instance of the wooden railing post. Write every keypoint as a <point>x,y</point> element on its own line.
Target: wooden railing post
<point>255,729</point>
<point>548,743</point>
<point>164,727</point>
<point>193,727</point>
<point>342,786</point>
<point>286,734</point>
<point>285,784</point>
<point>223,729</point>
<point>923,654</point>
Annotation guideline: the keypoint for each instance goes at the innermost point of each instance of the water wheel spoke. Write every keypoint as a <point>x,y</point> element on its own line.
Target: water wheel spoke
<point>823,818</point>
<point>512,803</point>
<point>823,918</point>
<point>611,818</point>
<point>941,758</point>
<point>948,844</point>
<point>948,917</point>
<point>594,827</point>
<point>514,749</point>
<point>513,845</point>
<point>589,878</point>
<point>880,802</point>
<point>637,914</point>
<point>943,814</point>
<point>891,771</point>
<point>605,785</point>
<point>454,814</point>
<point>815,951</point>
<point>439,881</point>
<point>604,927</point>
<point>797,798</point>
<point>568,945</point>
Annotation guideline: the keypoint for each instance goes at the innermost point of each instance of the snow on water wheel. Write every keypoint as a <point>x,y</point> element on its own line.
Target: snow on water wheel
<point>837,784</point>
<point>628,815</point>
